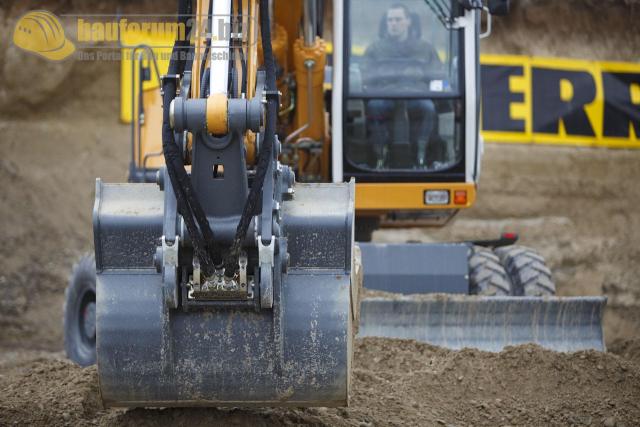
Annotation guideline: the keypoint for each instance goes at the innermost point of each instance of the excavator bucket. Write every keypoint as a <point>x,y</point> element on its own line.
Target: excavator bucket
<point>297,352</point>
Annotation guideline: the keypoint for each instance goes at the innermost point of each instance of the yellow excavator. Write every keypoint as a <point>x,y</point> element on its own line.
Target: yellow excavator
<point>225,272</point>
<point>404,125</point>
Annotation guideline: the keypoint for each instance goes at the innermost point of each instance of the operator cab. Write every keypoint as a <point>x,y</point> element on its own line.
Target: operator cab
<point>404,92</point>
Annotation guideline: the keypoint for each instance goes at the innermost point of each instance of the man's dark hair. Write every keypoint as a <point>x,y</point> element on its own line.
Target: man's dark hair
<point>407,13</point>
<point>415,31</point>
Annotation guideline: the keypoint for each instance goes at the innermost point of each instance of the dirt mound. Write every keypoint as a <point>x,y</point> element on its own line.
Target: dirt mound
<point>31,84</point>
<point>395,383</point>
<point>51,392</point>
<point>629,349</point>
<point>48,165</point>
<point>581,29</point>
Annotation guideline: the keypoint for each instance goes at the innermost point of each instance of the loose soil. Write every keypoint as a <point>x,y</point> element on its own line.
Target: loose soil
<point>396,382</point>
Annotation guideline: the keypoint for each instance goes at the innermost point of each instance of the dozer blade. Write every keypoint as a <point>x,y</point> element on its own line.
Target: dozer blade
<point>487,323</point>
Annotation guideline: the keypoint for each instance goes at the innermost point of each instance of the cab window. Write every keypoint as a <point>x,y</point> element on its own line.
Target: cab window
<point>403,107</point>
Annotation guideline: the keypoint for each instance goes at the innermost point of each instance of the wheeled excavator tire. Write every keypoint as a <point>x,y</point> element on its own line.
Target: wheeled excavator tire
<point>80,312</point>
<point>487,276</point>
<point>527,271</point>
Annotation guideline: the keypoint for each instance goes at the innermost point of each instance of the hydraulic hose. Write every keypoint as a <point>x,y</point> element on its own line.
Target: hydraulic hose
<point>188,205</point>
<point>265,156</point>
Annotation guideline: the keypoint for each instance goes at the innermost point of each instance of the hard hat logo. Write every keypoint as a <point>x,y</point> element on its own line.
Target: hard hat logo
<point>40,32</point>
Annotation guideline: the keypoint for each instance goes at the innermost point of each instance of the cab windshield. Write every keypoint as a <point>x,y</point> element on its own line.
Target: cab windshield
<point>403,108</point>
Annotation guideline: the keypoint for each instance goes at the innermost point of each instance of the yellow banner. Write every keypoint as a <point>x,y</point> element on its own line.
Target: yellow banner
<point>524,99</point>
<point>560,101</point>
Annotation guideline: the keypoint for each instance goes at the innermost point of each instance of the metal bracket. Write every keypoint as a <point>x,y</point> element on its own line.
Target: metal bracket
<point>170,252</point>
<point>242,263</point>
<point>271,94</point>
<point>196,271</point>
<point>175,77</point>
<point>170,270</point>
<point>266,255</point>
<point>219,287</point>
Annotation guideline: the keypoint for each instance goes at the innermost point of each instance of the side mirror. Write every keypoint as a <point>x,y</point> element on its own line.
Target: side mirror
<point>499,7</point>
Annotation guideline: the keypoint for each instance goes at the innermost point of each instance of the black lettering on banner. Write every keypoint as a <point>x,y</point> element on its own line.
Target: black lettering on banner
<point>619,109</point>
<point>549,107</point>
<point>497,98</point>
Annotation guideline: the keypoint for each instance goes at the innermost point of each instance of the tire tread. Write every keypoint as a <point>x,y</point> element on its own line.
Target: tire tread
<point>527,271</point>
<point>83,274</point>
<point>487,276</point>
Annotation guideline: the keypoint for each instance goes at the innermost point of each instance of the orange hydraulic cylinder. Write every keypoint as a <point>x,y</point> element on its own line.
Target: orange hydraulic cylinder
<point>278,46</point>
<point>288,14</point>
<point>309,63</point>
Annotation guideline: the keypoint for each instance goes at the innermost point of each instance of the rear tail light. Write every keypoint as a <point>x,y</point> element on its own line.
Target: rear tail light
<point>460,197</point>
